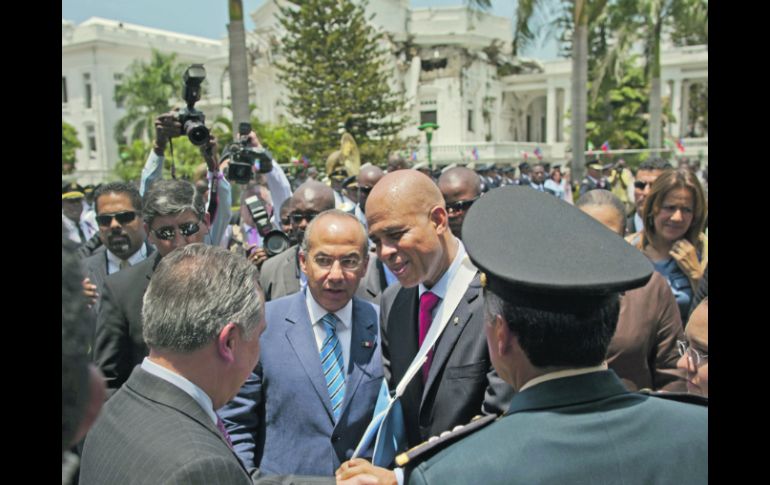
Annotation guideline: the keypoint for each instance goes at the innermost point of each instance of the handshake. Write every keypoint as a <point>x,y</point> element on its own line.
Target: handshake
<point>362,472</point>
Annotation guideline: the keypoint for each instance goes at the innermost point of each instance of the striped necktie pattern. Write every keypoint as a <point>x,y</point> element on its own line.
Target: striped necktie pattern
<point>331,364</point>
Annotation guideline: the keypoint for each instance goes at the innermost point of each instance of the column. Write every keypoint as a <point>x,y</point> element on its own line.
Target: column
<point>567,114</point>
<point>550,116</point>
<point>685,109</point>
<point>676,108</point>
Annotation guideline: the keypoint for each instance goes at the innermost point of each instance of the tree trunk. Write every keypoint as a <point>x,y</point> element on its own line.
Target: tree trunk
<point>239,77</point>
<point>655,106</point>
<point>579,90</point>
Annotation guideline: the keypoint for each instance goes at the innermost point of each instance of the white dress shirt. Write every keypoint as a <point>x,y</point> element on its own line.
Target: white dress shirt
<point>182,383</point>
<point>113,262</point>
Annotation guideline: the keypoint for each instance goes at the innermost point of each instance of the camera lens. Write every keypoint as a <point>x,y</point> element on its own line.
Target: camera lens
<point>275,242</point>
<point>196,132</point>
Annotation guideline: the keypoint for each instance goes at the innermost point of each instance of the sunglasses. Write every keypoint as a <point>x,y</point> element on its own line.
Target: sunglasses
<point>298,216</point>
<point>168,233</point>
<point>121,217</point>
<point>460,205</point>
<point>364,190</point>
<point>641,185</point>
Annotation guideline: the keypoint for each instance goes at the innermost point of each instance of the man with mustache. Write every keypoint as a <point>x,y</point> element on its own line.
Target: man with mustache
<point>118,214</point>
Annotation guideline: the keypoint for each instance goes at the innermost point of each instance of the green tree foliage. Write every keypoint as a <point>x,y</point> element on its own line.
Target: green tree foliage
<point>147,91</point>
<point>333,72</point>
<point>69,143</point>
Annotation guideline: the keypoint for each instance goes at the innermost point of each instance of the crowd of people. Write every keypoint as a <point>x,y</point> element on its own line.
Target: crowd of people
<point>530,322</point>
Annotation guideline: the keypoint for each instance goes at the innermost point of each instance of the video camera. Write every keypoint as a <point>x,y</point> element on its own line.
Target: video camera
<point>191,119</point>
<point>243,156</point>
<point>274,240</point>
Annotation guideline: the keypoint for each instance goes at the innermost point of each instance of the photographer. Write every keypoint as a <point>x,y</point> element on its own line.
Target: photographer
<point>247,234</point>
<point>166,128</point>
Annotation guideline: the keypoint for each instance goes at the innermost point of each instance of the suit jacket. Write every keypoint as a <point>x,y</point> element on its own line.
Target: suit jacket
<point>119,345</point>
<point>295,428</point>
<point>643,351</point>
<point>373,283</point>
<point>582,429</point>
<point>461,383</point>
<point>151,431</point>
<point>280,274</point>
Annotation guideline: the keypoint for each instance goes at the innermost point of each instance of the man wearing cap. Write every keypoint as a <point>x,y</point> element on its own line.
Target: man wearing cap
<point>571,420</point>
<point>594,178</point>
<point>409,225</point>
<point>79,228</point>
<point>524,174</point>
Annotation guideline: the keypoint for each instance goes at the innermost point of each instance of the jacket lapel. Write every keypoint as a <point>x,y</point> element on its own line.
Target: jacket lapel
<point>568,391</point>
<point>364,330</point>
<point>451,334</point>
<point>302,340</point>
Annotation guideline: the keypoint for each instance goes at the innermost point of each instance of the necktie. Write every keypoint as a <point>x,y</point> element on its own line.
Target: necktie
<point>331,364</point>
<point>221,428</point>
<point>124,264</point>
<point>428,302</point>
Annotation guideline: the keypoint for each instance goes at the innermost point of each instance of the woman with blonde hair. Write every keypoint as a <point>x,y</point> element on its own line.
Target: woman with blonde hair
<point>674,215</point>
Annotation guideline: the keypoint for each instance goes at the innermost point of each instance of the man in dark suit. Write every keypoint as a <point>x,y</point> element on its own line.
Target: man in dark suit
<point>408,223</point>
<point>594,178</point>
<point>314,403</point>
<point>548,325</point>
<point>119,218</point>
<point>202,321</point>
<point>174,216</point>
<point>281,275</point>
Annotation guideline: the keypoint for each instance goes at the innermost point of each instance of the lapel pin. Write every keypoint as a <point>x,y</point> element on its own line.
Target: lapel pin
<point>367,344</point>
<point>456,320</point>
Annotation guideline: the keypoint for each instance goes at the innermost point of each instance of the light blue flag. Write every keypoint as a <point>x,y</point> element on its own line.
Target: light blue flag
<point>386,430</point>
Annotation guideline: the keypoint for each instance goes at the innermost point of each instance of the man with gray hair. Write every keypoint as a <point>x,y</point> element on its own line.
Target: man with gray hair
<point>174,216</point>
<point>309,402</point>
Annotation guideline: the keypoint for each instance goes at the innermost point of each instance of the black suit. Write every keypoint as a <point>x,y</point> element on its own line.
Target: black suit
<point>461,383</point>
<point>119,344</point>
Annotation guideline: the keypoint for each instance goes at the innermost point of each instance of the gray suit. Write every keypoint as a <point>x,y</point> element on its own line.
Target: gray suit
<point>461,383</point>
<point>280,274</point>
<point>153,432</point>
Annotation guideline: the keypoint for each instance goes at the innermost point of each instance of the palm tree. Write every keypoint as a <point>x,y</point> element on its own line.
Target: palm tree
<point>239,82</point>
<point>583,13</point>
<point>146,92</point>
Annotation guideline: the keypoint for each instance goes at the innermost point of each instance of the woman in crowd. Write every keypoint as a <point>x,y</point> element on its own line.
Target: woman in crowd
<point>674,214</point>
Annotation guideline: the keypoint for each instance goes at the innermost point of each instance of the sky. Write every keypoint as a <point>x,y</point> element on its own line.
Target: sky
<point>208,18</point>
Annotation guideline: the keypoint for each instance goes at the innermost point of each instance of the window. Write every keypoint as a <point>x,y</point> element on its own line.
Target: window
<point>63,90</point>
<point>470,120</point>
<point>118,81</point>
<point>428,117</point>
<point>91,136</point>
<point>87,86</point>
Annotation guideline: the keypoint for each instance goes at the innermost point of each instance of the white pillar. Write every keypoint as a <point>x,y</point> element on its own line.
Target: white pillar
<point>550,116</point>
<point>567,116</point>
<point>676,108</point>
<point>685,109</point>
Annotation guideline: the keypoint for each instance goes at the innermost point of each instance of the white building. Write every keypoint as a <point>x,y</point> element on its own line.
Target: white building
<point>445,60</point>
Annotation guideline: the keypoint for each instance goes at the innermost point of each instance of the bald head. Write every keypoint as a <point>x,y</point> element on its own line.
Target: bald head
<point>367,178</point>
<point>457,185</point>
<point>310,199</point>
<point>408,223</point>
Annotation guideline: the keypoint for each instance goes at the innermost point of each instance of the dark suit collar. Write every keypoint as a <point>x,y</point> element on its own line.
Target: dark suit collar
<point>363,341</point>
<point>446,342</point>
<point>568,391</point>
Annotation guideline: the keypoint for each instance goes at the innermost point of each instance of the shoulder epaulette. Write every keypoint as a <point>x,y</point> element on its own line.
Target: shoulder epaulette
<point>678,396</point>
<point>436,443</point>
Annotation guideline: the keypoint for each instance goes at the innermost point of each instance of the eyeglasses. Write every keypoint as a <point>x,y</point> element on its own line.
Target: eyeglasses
<point>694,358</point>
<point>122,218</point>
<point>349,263</point>
<point>168,233</point>
<point>641,185</point>
<point>460,205</point>
<point>298,216</point>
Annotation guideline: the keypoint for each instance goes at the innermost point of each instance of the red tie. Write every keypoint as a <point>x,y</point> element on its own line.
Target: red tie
<point>428,302</point>
<point>221,428</point>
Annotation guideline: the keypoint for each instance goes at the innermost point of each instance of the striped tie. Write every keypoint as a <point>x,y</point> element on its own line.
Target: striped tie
<point>331,364</point>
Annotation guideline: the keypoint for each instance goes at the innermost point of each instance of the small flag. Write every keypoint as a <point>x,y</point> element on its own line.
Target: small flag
<point>475,153</point>
<point>605,146</point>
<point>367,344</point>
<point>526,155</point>
<point>305,161</point>
<point>590,146</point>
<point>538,153</point>
<point>414,155</point>
<point>680,145</point>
